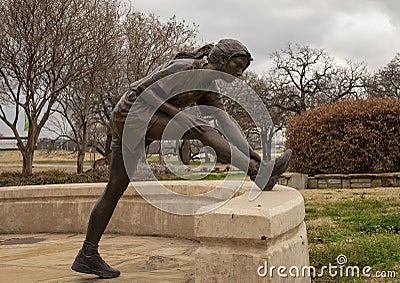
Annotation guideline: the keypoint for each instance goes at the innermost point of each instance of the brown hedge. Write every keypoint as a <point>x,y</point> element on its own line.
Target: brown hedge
<point>46,177</point>
<point>351,136</point>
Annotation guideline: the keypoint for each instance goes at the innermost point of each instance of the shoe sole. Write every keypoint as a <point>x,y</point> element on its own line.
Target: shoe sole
<point>84,269</point>
<point>271,184</point>
<point>274,179</point>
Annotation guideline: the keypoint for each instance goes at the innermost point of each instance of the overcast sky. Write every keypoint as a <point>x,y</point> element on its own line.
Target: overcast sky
<point>359,30</point>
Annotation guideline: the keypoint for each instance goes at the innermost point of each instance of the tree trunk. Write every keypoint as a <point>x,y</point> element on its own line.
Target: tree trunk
<point>107,149</point>
<point>80,159</point>
<point>27,154</point>
<point>185,152</point>
<point>27,162</point>
<point>82,149</point>
<point>270,135</point>
<point>206,157</point>
<point>266,141</point>
<point>161,155</point>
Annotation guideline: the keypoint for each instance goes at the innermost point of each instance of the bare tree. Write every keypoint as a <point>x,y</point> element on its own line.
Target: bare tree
<point>75,110</point>
<point>386,82</point>
<point>148,43</point>
<point>151,42</point>
<point>303,77</point>
<point>112,85</point>
<point>77,101</point>
<point>260,84</point>
<point>129,46</point>
<point>257,136</point>
<point>44,48</point>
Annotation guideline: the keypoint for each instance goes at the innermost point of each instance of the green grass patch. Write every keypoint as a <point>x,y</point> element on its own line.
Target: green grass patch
<point>366,230</point>
<point>371,223</point>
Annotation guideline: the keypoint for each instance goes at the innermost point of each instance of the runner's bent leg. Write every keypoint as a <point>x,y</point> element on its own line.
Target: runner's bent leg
<point>210,137</point>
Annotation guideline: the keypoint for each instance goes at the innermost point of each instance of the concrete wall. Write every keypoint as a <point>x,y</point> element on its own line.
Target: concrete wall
<point>348,181</point>
<point>340,181</point>
<point>294,180</point>
<point>235,239</point>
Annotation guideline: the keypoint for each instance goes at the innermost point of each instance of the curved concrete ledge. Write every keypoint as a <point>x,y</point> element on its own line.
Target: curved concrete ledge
<point>235,239</point>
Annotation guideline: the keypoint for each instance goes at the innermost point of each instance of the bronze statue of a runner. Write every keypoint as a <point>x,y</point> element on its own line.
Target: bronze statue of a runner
<point>228,56</point>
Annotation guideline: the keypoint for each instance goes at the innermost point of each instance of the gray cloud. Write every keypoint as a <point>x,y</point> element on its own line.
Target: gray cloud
<point>358,30</point>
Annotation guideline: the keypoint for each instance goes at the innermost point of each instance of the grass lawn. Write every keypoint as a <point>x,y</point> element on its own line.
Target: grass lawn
<point>362,224</point>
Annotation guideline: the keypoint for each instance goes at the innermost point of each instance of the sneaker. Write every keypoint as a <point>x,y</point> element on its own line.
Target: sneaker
<point>93,264</point>
<point>280,165</point>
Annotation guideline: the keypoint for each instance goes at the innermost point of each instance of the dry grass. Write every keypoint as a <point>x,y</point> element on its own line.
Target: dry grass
<point>11,160</point>
<point>323,196</point>
<point>14,156</point>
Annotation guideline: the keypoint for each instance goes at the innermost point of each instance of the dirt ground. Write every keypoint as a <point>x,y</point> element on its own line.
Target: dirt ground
<point>332,195</point>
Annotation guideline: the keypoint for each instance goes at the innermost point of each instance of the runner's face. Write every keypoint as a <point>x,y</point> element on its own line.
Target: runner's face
<point>235,66</point>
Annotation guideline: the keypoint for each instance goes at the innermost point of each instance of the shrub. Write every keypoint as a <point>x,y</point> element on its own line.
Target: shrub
<point>351,136</point>
<point>46,177</point>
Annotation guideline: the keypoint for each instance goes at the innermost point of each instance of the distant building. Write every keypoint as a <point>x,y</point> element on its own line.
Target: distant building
<point>45,144</point>
<point>59,144</point>
<point>9,143</point>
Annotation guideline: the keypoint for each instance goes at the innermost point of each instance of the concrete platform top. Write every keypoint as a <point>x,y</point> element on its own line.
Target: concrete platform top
<point>48,257</point>
<point>65,208</point>
<point>273,213</point>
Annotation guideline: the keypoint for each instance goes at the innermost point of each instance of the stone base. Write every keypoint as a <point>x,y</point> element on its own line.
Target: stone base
<point>350,181</point>
<point>294,180</point>
<point>339,181</point>
<point>241,236</point>
<point>235,239</point>
<point>243,261</point>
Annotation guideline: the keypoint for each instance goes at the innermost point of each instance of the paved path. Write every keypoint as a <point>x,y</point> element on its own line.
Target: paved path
<point>48,257</point>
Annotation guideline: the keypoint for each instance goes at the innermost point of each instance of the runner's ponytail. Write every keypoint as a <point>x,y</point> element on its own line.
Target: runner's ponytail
<point>197,54</point>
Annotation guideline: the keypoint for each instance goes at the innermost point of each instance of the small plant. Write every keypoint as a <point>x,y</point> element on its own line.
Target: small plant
<point>380,224</point>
